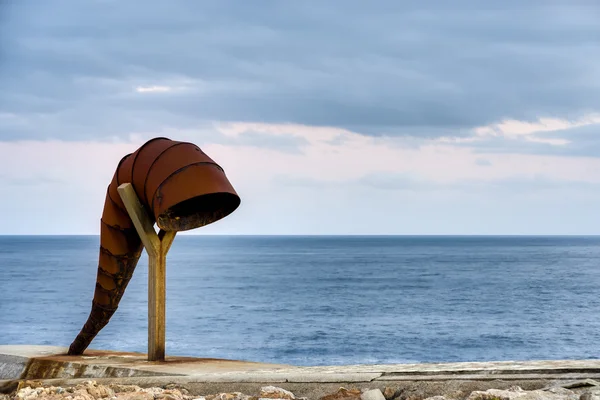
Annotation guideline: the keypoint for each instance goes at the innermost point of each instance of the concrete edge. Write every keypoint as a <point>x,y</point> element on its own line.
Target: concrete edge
<point>266,378</point>
<point>488,377</point>
<point>12,365</point>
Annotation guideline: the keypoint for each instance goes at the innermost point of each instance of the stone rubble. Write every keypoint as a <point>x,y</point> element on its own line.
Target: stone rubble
<point>343,394</point>
<point>374,394</point>
<point>272,392</point>
<point>91,390</point>
<point>516,393</point>
<point>389,393</point>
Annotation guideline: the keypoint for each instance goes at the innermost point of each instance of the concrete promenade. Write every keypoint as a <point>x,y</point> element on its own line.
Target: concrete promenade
<point>50,366</point>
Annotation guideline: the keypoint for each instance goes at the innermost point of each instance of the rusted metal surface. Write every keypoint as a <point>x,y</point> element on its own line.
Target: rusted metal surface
<point>180,187</point>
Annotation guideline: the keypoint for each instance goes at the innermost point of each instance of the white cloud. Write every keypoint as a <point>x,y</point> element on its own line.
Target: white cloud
<point>550,141</point>
<point>354,155</point>
<point>153,89</point>
<point>313,134</point>
<point>59,186</point>
<point>514,129</point>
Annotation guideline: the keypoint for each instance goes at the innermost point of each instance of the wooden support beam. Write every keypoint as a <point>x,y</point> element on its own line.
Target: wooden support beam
<point>143,224</point>
<point>157,246</point>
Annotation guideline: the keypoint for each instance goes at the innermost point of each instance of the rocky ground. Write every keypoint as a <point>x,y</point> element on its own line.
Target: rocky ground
<point>583,390</point>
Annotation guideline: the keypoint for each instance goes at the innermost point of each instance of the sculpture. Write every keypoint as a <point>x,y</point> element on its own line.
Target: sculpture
<point>180,188</point>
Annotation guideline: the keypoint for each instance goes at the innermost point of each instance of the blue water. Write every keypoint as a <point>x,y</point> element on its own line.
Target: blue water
<point>323,300</point>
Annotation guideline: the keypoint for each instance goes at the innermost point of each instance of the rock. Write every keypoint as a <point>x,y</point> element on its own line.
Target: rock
<point>389,393</point>
<point>494,394</point>
<point>343,394</point>
<point>374,394</point>
<point>96,391</point>
<point>437,398</point>
<point>82,394</point>
<point>38,392</point>
<point>154,391</point>
<point>455,394</point>
<point>28,383</point>
<point>117,388</point>
<point>581,383</point>
<point>229,396</point>
<point>167,396</point>
<point>515,393</point>
<point>26,393</point>
<point>589,396</point>
<point>141,395</point>
<point>274,392</point>
<point>561,391</point>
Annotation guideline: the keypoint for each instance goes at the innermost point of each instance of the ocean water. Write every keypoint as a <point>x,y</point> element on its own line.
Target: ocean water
<point>323,300</point>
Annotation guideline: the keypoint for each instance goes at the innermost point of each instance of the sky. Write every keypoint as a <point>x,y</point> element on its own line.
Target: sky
<point>328,117</point>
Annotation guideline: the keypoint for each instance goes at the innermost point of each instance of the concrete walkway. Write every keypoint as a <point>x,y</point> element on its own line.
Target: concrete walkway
<point>51,365</point>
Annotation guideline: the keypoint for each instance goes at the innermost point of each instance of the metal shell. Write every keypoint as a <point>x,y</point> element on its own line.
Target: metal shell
<point>180,187</point>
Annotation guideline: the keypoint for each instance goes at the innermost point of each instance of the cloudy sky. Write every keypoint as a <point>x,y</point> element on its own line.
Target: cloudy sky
<point>329,117</point>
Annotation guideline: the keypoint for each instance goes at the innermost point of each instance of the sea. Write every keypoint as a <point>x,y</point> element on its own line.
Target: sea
<point>323,300</point>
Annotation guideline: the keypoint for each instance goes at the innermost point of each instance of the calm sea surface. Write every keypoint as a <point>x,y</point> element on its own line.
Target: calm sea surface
<point>323,300</point>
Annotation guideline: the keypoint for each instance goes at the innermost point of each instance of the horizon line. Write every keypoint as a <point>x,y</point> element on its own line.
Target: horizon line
<point>340,235</point>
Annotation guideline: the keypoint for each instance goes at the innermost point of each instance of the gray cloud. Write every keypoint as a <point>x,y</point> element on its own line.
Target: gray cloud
<point>37,180</point>
<point>414,183</point>
<point>482,162</point>
<point>302,182</point>
<point>395,181</point>
<point>68,68</point>
<point>584,141</point>
<point>520,184</point>
<point>284,143</point>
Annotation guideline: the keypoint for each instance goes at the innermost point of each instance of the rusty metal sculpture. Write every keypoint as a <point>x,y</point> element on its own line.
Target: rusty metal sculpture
<point>180,188</point>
